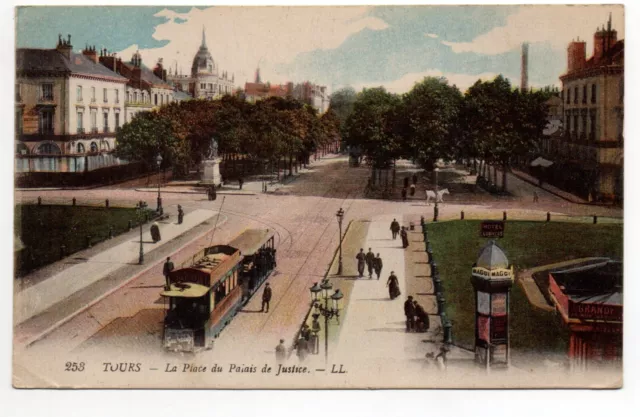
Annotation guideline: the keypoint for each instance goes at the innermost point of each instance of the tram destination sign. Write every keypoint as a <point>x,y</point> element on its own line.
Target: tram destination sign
<point>492,228</point>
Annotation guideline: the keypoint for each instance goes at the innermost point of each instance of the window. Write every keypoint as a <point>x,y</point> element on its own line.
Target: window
<point>46,122</point>
<point>79,93</point>
<point>575,96</point>
<point>80,116</point>
<point>155,99</point>
<point>117,96</point>
<point>161,99</point>
<point>80,148</point>
<point>93,94</point>
<point>210,86</point>
<point>94,147</point>
<point>584,124</point>
<point>593,93</point>
<point>47,91</point>
<point>575,124</point>
<point>49,149</point>
<point>105,119</point>
<point>19,121</point>
<point>584,94</point>
<point>568,96</point>
<point>135,97</point>
<point>117,121</point>
<point>94,121</point>
<point>592,131</point>
<point>104,95</point>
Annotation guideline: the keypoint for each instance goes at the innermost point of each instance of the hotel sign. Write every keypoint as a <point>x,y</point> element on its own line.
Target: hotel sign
<point>492,229</point>
<point>590,311</point>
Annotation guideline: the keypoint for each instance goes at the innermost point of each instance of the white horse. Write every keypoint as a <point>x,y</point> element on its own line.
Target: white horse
<point>438,197</point>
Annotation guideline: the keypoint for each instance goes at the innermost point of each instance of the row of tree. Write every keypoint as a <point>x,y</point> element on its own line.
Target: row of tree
<point>492,122</point>
<point>269,131</point>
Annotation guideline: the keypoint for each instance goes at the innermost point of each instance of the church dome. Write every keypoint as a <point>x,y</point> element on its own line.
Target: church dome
<point>492,257</point>
<point>203,61</point>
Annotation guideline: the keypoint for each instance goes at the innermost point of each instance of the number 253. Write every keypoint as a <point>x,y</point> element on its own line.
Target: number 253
<point>74,366</point>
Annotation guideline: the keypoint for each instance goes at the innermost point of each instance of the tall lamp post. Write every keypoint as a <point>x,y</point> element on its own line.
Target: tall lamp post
<point>435,208</point>
<point>140,212</point>
<point>326,311</point>
<point>340,216</point>
<point>159,163</point>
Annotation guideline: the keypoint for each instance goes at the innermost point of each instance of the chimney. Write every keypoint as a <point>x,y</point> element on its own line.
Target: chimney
<point>524,69</point>
<point>576,55</point>
<point>603,40</point>
<point>90,52</point>
<point>158,71</point>
<point>64,46</point>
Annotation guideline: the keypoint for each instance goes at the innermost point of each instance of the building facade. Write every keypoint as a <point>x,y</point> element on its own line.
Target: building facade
<point>66,105</point>
<point>591,147</point>
<point>207,80</point>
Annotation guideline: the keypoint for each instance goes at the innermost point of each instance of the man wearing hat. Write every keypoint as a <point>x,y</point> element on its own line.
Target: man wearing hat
<point>409,312</point>
<point>266,297</point>
<point>281,352</point>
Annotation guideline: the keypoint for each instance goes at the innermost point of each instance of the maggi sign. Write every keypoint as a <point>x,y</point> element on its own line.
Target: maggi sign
<point>494,273</point>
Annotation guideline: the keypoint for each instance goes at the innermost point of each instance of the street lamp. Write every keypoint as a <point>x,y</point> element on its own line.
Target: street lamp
<point>340,216</point>
<point>435,208</point>
<point>159,163</point>
<point>140,212</point>
<point>326,311</point>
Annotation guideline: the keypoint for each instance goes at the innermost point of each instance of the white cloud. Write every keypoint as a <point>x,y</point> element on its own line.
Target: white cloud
<point>431,35</point>
<point>407,81</point>
<point>557,25</point>
<point>241,37</point>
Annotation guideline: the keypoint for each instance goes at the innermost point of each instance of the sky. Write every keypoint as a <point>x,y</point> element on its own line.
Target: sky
<point>358,46</point>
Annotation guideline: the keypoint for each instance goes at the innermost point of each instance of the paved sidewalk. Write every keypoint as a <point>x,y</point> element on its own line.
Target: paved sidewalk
<point>548,187</point>
<point>37,298</point>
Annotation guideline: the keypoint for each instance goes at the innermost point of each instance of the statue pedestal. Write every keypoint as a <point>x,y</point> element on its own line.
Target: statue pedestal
<point>211,172</point>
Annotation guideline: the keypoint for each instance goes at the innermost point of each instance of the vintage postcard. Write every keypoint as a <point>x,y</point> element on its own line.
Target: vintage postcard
<point>319,197</point>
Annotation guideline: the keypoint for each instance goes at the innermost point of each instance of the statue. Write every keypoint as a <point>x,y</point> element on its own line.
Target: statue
<point>213,149</point>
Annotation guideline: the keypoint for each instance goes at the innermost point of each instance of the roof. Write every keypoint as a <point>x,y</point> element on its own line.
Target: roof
<point>492,257</point>
<point>597,282</point>
<point>612,56</point>
<point>251,240</point>
<point>50,60</point>
<point>185,290</point>
<point>261,89</point>
<point>147,75</point>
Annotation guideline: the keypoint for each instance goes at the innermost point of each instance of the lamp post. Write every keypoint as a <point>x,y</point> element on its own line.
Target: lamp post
<point>139,211</point>
<point>340,216</point>
<point>435,208</point>
<point>159,163</point>
<point>326,311</point>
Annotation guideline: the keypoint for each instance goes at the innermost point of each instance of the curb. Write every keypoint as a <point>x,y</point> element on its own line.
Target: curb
<point>113,290</point>
<point>527,180</point>
<point>230,192</point>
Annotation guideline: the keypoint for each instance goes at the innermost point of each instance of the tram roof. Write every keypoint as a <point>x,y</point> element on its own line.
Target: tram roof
<point>251,240</point>
<point>185,290</point>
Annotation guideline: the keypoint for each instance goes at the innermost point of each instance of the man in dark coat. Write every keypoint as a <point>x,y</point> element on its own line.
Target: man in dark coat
<point>404,194</point>
<point>395,228</point>
<point>404,237</point>
<point>240,182</point>
<point>166,269</point>
<point>361,262</point>
<point>422,318</point>
<point>369,257</point>
<point>377,265</point>
<point>302,347</point>
<point>180,214</point>
<point>410,312</point>
<point>281,352</point>
<point>266,297</point>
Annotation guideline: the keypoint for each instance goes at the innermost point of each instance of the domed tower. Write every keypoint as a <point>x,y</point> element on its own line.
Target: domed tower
<point>203,61</point>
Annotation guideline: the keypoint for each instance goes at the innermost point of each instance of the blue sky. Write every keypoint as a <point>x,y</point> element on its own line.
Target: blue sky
<point>358,46</point>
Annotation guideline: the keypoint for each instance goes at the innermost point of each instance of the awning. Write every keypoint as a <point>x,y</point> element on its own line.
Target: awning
<point>540,161</point>
<point>186,290</point>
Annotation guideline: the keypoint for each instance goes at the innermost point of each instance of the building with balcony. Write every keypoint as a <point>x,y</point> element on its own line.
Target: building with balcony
<point>589,151</point>
<point>68,107</point>
<point>206,80</point>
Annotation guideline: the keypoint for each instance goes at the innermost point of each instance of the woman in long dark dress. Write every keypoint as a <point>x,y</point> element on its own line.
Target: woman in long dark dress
<point>394,287</point>
<point>405,237</point>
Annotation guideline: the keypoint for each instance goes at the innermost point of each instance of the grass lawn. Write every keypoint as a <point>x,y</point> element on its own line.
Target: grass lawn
<point>43,229</point>
<point>456,245</point>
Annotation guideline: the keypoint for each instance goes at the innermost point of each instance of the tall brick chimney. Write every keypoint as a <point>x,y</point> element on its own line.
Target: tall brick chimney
<point>576,55</point>
<point>64,46</point>
<point>603,40</point>
<point>90,52</point>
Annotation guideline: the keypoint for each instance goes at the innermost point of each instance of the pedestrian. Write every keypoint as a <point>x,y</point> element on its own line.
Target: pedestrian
<point>412,190</point>
<point>395,229</point>
<point>240,182</point>
<point>166,270</point>
<point>394,286</point>
<point>377,265</point>
<point>180,214</point>
<point>369,257</point>
<point>361,261</point>
<point>404,237</point>
<point>410,312</point>
<point>266,298</point>
<point>535,197</point>
<point>404,194</point>
<point>305,332</point>
<point>209,194</point>
<point>415,179</point>
<point>302,348</point>
<point>441,358</point>
<point>281,352</point>
<point>422,318</point>
<point>155,232</point>
<point>406,182</point>
<point>214,195</point>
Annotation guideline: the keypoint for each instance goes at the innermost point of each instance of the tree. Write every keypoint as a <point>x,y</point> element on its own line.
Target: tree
<point>146,136</point>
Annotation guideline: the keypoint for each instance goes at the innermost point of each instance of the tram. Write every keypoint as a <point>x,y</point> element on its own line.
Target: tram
<point>207,291</point>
